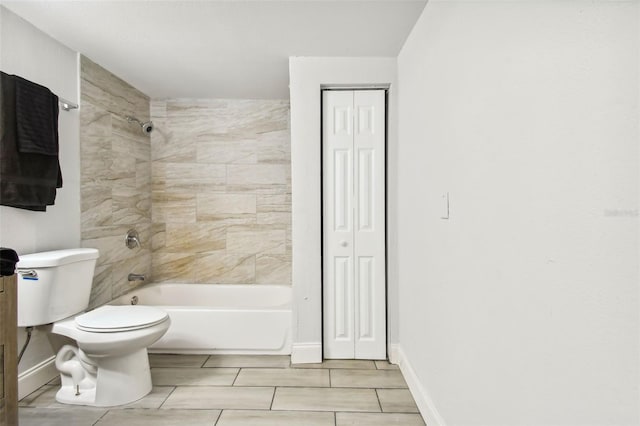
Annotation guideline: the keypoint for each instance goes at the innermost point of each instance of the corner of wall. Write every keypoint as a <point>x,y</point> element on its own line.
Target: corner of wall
<point>418,391</point>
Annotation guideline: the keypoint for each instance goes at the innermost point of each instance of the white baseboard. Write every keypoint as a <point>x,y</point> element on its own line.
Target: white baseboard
<point>38,375</point>
<point>420,395</point>
<point>393,353</point>
<point>306,353</point>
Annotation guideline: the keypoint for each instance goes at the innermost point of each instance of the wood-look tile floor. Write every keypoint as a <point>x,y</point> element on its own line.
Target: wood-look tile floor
<point>245,390</point>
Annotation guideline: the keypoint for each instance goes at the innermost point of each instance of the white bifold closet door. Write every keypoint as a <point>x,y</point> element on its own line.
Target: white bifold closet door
<point>354,282</point>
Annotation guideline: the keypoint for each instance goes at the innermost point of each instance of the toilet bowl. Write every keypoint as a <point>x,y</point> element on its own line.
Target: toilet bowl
<point>101,354</point>
<point>112,353</point>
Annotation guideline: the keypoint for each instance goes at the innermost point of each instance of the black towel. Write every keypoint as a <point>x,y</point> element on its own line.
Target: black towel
<point>27,180</point>
<point>8,260</point>
<point>36,118</point>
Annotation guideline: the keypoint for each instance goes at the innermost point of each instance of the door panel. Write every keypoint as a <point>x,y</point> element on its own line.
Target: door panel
<point>338,226</point>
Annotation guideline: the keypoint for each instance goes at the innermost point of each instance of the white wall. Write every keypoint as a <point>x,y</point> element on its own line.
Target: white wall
<point>26,51</point>
<point>523,307</point>
<point>306,78</point>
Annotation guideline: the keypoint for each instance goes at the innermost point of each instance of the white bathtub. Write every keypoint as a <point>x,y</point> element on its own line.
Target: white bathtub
<point>220,318</point>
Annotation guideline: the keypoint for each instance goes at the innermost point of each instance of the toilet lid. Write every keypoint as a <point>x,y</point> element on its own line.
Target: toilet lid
<point>110,318</point>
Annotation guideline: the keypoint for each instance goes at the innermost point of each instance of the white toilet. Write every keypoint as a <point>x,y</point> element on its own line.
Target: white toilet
<point>101,354</point>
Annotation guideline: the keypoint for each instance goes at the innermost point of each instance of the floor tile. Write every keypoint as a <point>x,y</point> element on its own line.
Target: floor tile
<point>42,397</point>
<point>154,399</point>
<point>245,361</point>
<point>378,419</point>
<point>45,397</point>
<point>193,376</point>
<point>171,360</point>
<point>282,377</point>
<point>220,397</point>
<point>325,399</point>
<point>71,416</point>
<point>340,363</point>
<point>142,417</point>
<point>386,365</point>
<point>275,418</point>
<point>55,381</point>
<point>367,379</point>
<point>396,401</point>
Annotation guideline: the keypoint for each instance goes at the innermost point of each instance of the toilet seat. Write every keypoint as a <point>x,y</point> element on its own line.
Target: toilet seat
<point>112,319</point>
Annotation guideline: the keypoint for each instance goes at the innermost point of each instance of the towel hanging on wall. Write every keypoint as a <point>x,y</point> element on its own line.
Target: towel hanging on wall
<point>29,165</point>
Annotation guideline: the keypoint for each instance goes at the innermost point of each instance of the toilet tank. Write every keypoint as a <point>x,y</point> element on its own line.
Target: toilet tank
<point>54,285</point>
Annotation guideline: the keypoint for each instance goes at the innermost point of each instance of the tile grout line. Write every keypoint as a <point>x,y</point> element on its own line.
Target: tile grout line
<point>273,398</point>
<point>236,377</point>
<point>218,418</point>
<point>205,361</point>
<point>165,400</point>
<point>378,398</point>
<point>101,417</point>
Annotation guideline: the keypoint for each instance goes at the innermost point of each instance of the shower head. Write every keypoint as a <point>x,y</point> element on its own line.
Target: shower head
<point>147,127</point>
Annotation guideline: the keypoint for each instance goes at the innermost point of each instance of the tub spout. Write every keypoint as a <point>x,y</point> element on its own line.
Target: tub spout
<point>136,277</point>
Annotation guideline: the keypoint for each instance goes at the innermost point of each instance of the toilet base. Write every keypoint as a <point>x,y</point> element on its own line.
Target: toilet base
<point>119,380</point>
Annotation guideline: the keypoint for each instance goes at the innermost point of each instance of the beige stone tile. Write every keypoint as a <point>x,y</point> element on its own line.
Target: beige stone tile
<point>225,268</point>
<point>123,165</point>
<point>173,207</point>
<point>102,284</point>
<point>262,174</point>
<point>273,218</point>
<point>386,365</point>
<point>375,419</point>
<point>245,361</point>
<point>195,237</point>
<point>158,236</point>
<point>139,262</point>
<point>220,397</point>
<point>226,206</point>
<point>282,377</point>
<point>396,401</point>
<point>190,177</point>
<point>367,379</point>
<point>340,363</point>
<point>325,399</point>
<point>227,152</point>
<point>176,361</point>
<point>173,267</point>
<point>193,376</point>
<point>95,147</point>
<point>267,203</point>
<point>274,147</point>
<point>64,416</point>
<point>96,204</point>
<point>274,418</point>
<point>111,93</point>
<point>255,240</point>
<point>111,248</point>
<point>138,417</point>
<point>259,189</point>
<point>273,269</point>
<point>168,147</point>
<point>130,206</point>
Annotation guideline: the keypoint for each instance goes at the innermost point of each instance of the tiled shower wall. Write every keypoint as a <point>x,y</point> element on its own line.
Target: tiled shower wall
<point>221,191</point>
<point>115,179</point>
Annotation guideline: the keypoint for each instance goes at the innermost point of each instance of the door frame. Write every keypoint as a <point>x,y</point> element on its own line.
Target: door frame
<point>347,87</point>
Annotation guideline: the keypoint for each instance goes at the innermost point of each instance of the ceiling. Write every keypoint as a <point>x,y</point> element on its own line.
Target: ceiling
<point>219,49</point>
